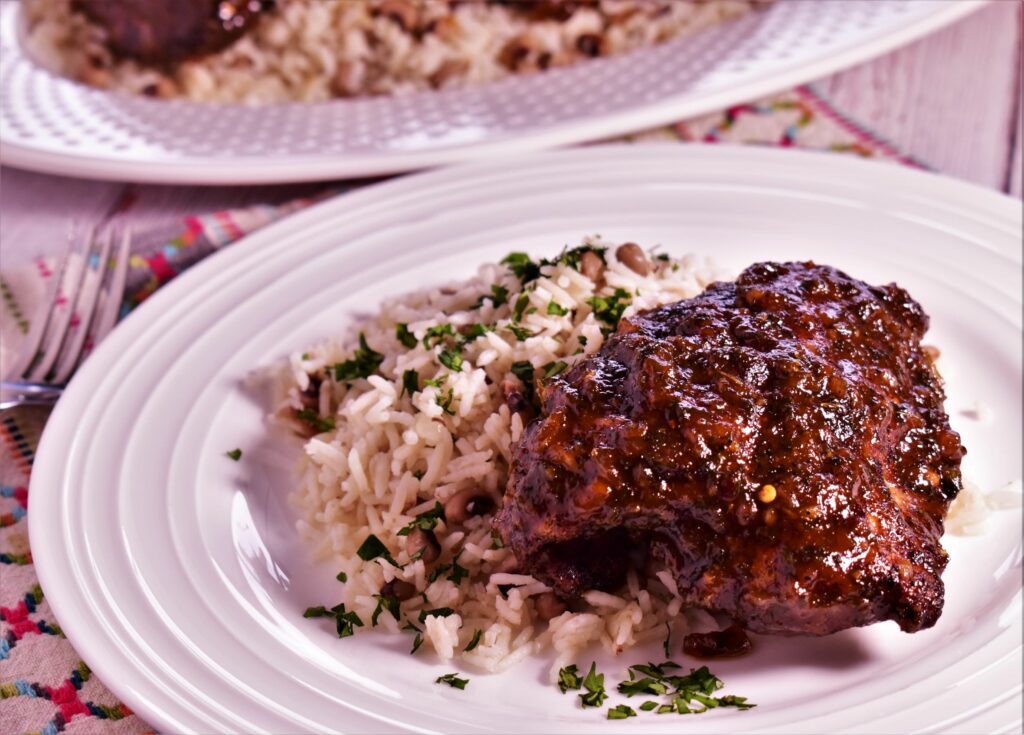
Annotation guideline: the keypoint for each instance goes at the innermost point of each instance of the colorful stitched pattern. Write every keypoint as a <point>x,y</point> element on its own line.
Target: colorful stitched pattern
<point>44,687</point>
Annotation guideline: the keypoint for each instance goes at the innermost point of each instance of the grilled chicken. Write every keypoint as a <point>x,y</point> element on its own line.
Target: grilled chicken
<point>778,443</point>
<point>168,31</point>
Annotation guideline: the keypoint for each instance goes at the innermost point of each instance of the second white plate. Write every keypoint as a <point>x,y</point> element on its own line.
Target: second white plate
<point>178,574</point>
<point>57,126</point>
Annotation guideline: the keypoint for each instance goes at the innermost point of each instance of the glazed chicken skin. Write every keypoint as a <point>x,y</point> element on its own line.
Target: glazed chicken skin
<point>778,443</point>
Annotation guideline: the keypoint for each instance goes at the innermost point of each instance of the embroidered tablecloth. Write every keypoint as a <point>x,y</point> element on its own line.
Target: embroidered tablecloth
<point>44,686</point>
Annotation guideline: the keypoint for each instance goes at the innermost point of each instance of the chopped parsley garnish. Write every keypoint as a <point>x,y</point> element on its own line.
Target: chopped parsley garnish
<point>437,612</point>
<point>524,371</point>
<point>620,712</point>
<point>668,640</point>
<point>499,296</point>
<point>459,572</point>
<point>568,678</point>
<point>435,382</point>
<point>471,331</point>
<point>417,642</point>
<point>346,622</point>
<point>404,336</point>
<point>363,364</point>
<point>426,520</point>
<point>451,359</point>
<point>452,680</point>
<point>697,686</point>
<point>521,333</point>
<point>235,454</point>
<point>496,542</point>
<point>556,309</point>
<point>520,306</point>
<point>554,368</point>
<point>582,340</point>
<point>663,257</point>
<point>436,334</point>
<point>318,422</point>
<point>342,577</point>
<point>609,309</point>
<point>593,682</point>
<point>647,685</point>
<point>474,641</point>
<point>438,571</point>
<point>373,548</point>
<point>521,264</point>
<point>444,400</point>
<point>572,257</point>
<point>385,602</point>
<point>410,383</point>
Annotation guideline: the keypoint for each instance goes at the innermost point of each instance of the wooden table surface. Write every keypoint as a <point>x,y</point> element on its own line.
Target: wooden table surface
<point>952,100</point>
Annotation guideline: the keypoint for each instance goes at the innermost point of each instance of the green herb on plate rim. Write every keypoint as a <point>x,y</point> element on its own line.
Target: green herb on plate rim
<point>235,454</point>
<point>452,680</point>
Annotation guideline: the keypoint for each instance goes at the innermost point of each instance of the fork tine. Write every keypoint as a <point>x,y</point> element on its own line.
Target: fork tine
<point>114,294</point>
<point>85,307</point>
<point>61,312</point>
<point>40,320</point>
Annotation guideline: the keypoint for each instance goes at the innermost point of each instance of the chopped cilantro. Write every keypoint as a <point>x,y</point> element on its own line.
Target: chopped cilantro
<point>363,364</point>
<point>582,340</point>
<point>373,548</point>
<point>524,371</point>
<point>417,642</point>
<point>474,641</point>
<point>459,572</point>
<point>731,700</point>
<point>445,401</point>
<point>498,296</point>
<point>647,685</point>
<point>385,602</point>
<point>593,682</point>
<point>436,334</point>
<point>520,306</point>
<point>316,612</point>
<point>452,680</point>
<point>620,712</point>
<point>318,422</point>
<point>609,309</point>
<point>305,355</point>
<point>554,368</point>
<point>235,454</point>
<point>520,264</point>
<point>568,678</point>
<point>663,257</point>
<point>668,640</point>
<point>410,383</point>
<point>426,520</point>
<point>404,336</point>
<point>451,359</point>
<point>572,257</point>
<point>437,612</point>
<point>556,309</point>
<point>648,705</point>
<point>342,577</point>
<point>471,331</point>
<point>346,622</point>
<point>438,571</point>
<point>521,333</point>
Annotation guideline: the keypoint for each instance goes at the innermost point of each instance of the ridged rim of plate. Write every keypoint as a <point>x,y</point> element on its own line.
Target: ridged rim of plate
<point>83,527</point>
<point>17,151</point>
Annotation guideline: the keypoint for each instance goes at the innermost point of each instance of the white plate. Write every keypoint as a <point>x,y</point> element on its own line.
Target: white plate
<point>177,574</point>
<point>57,126</point>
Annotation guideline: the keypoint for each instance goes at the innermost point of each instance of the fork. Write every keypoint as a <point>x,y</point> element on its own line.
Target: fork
<point>78,310</point>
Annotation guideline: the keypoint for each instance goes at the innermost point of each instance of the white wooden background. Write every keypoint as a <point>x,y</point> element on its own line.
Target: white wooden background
<point>952,100</point>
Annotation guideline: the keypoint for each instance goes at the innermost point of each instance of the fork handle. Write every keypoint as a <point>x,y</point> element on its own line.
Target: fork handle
<point>15,393</point>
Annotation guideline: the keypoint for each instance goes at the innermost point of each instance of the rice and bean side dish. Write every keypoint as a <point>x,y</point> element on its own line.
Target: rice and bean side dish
<point>409,427</point>
<point>266,51</point>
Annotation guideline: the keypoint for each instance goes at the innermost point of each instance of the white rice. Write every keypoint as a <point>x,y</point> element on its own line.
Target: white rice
<point>313,50</point>
<point>362,477</point>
